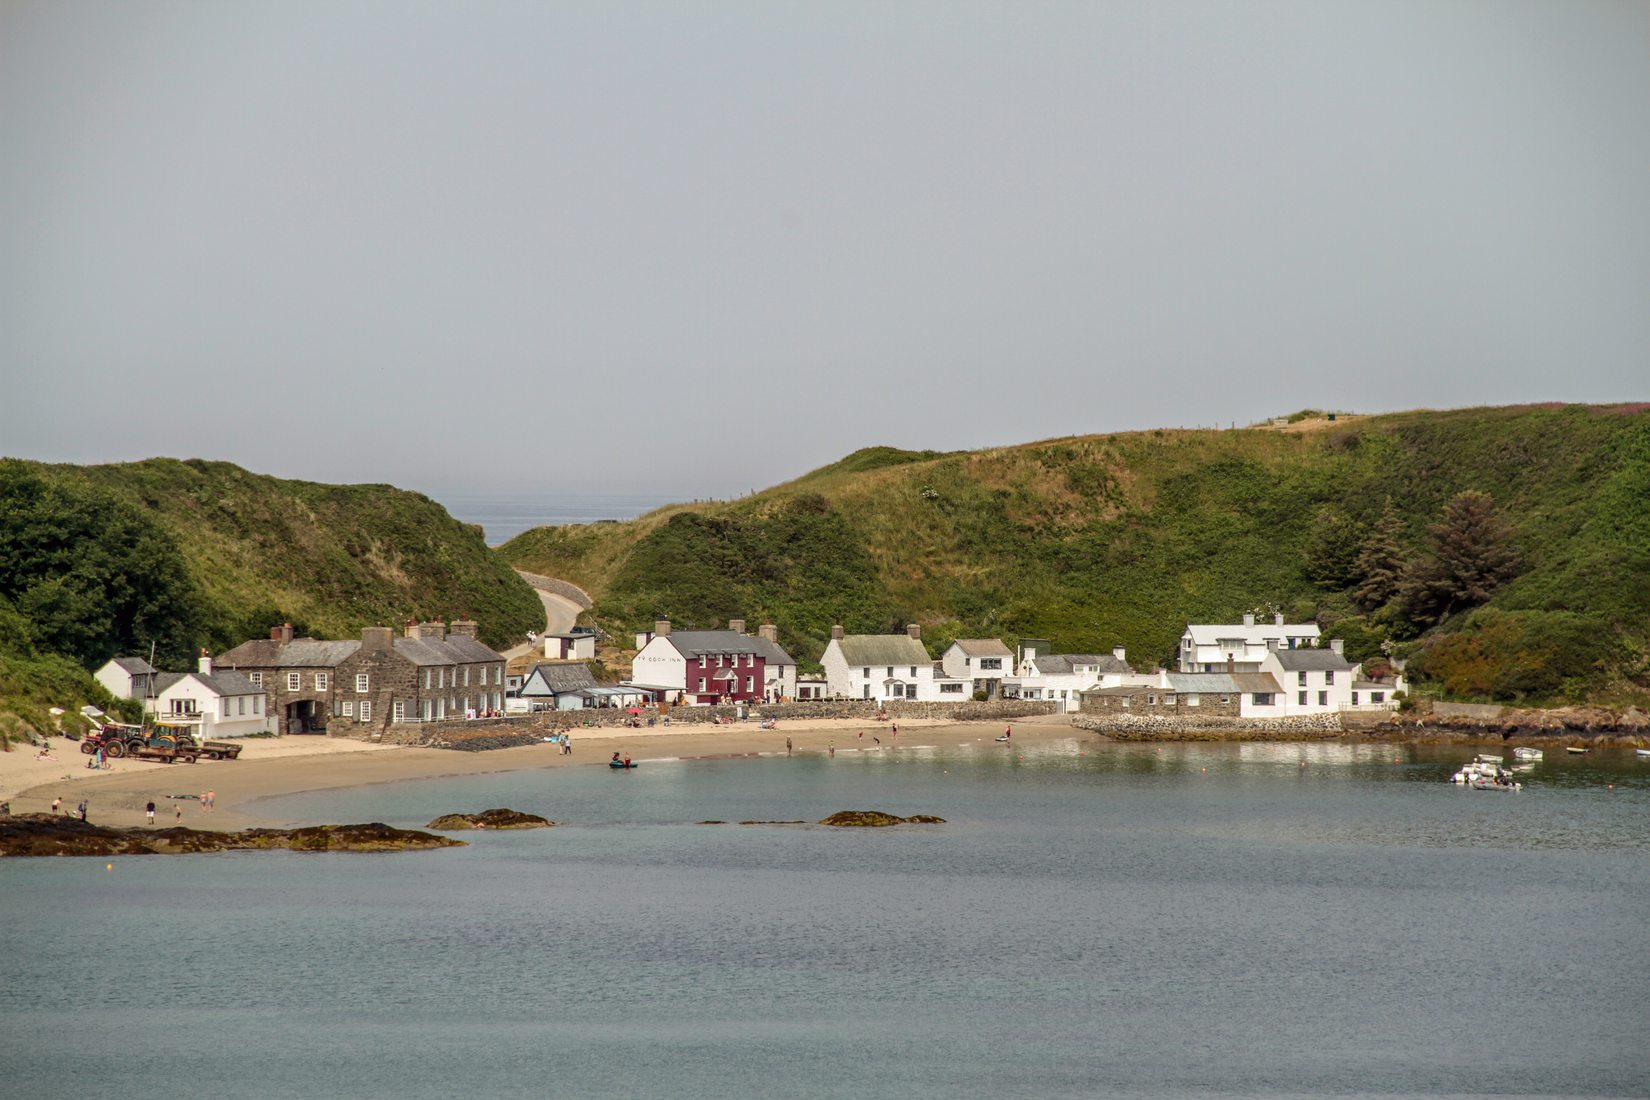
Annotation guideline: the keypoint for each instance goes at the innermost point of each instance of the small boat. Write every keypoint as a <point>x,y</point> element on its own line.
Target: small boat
<point>1484,768</point>
<point>1578,750</point>
<point>622,765</point>
<point>1495,785</point>
<point>1641,752</point>
<point>1524,752</point>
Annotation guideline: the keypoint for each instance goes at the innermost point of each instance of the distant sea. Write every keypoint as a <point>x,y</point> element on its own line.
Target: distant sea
<point>505,515</point>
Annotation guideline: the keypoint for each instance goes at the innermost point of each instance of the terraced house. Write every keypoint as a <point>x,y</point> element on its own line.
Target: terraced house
<point>358,688</point>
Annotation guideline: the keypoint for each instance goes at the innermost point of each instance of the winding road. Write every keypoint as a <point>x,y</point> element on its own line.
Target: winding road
<point>560,613</point>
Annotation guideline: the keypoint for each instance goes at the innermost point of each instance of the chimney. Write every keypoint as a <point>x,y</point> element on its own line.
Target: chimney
<point>1248,618</point>
<point>736,625</point>
<point>913,630</point>
<point>1277,619</point>
<point>464,628</point>
<point>376,639</point>
<point>661,628</point>
<point>836,632</point>
<point>1117,651</point>
<point>410,628</point>
<point>1338,645</point>
<point>274,633</point>
<point>768,631</point>
<point>1231,665</point>
<point>285,633</point>
<point>206,663</point>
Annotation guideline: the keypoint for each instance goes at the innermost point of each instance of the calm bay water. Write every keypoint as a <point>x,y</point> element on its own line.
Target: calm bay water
<point>506,515</point>
<point>1092,921</point>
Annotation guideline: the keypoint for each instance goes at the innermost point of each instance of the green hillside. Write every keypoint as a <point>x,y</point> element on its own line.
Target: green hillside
<point>1121,539</point>
<point>103,560</point>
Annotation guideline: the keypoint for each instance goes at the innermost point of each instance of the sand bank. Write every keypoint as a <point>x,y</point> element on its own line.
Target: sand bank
<point>289,765</point>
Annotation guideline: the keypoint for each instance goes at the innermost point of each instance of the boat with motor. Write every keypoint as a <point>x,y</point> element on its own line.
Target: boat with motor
<point>1578,750</point>
<point>1495,785</point>
<point>1483,768</point>
<point>1524,752</point>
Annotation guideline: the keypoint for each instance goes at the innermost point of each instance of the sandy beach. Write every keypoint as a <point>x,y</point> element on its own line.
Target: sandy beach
<point>293,764</point>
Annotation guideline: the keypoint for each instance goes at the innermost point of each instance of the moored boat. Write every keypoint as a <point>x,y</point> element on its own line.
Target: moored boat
<point>1641,752</point>
<point>1482,768</point>
<point>1576,749</point>
<point>1524,752</point>
<point>1496,785</point>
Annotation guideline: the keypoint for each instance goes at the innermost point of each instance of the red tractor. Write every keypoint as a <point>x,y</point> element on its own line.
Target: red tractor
<point>114,739</point>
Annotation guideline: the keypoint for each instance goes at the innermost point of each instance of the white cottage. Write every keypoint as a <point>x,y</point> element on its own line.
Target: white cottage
<point>210,703</point>
<point>986,662</point>
<point>127,677</point>
<point>888,666</point>
<point>1314,681</point>
<point>1064,677</point>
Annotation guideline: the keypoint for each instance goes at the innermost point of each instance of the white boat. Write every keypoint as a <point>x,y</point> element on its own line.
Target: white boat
<point>1524,752</point>
<point>1482,768</point>
<point>1641,752</point>
<point>1577,749</point>
<point>1496,785</point>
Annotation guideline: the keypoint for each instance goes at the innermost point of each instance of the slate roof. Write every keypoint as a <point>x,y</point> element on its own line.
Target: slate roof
<point>458,649</point>
<point>1214,633</point>
<point>1225,683</point>
<point>692,643</point>
<point>983,647</point>
<point>883,649</point>
<point>1056,664</point>
<point>221,682</point>
<point>137,666</point>
<point>1312,660</point>
<point>561,677</point>
<point>298,653</point>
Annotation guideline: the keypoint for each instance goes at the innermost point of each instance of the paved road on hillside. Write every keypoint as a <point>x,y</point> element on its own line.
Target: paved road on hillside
<point>560,613</point>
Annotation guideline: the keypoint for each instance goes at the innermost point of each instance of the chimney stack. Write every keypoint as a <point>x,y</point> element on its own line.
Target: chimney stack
<point>913,630</point>
<point>1277,619</point>
<point>376,639</point>
<point>768,631</point>
<point>1117,651</point>
<point>736,625</point>
<point>206,663</point>
<point>1231,665</point>
<point>1248,618</point>
<point>1338,645</point>
<point>465,628</point>
<point>836,632</point>
<point>661,628</point>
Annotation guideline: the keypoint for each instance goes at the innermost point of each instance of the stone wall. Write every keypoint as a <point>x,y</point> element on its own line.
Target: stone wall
<point>1136,727</point>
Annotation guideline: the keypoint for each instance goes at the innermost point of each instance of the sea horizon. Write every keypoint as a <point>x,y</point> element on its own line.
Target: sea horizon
<point>504,515</point>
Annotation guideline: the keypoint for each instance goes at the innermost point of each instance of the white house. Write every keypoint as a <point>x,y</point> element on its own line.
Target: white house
<point>1215,647</point>
<point>569,647</point>
<point>986,662</point>
<point>715,666</point>
<point>1064,677</point>
<point>127,677</point>
<point>1314,681</point>
<point>212,704</point>
<point>812,687</point>
<point>888,666</point>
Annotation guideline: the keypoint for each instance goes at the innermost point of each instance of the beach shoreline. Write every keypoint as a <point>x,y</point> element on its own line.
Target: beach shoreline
<point>278,767</point>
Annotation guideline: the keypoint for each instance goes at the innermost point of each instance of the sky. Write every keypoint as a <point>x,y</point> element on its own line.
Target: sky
<point>693,248</point>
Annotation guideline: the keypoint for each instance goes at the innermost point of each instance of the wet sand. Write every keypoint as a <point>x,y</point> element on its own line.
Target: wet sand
<point>295,764</point>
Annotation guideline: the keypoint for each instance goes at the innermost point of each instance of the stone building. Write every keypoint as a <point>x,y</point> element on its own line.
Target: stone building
<point>1192,694</point>
<point>353,688</point>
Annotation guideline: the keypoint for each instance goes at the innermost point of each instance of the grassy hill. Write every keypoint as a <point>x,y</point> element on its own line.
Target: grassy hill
<point>101,560</point>
<point>1096,540</point>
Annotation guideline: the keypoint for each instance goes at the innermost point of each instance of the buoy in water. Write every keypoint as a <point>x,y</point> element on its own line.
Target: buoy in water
<point>108,866</point>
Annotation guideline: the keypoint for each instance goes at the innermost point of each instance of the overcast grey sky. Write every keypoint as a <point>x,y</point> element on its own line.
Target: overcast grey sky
<point>695,248</point>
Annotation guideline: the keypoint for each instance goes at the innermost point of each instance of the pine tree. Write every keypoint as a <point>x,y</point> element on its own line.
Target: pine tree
<point>1332,548</point>
<point>1472,558</point>
<point>1380,565</point>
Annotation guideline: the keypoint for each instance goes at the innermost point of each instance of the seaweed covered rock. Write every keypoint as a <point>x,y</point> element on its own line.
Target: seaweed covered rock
<point>51,835</point>
<point>876,819</point>
<point>490,819</point>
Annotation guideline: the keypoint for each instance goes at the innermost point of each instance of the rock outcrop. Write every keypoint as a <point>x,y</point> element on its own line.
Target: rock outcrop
<point>490,819</point>
<point>876,819</point>
<point>53,835</point>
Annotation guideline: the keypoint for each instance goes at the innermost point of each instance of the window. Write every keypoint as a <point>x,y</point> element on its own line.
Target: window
<point>1151,700</point>
<point>1354,698</point>
<point>292,679</point>
<point>466,675</point>
<point>183,706</point>
<point>1302,681</point>
<point>866,673</point>
<point>701,660</point>
<point>242,709</point>
<point>349,708</point>
<point>1168,699</point>
<point>1329,677</point>
<point>951,689</point>
<point>366,710</point>
<point>1226,698</point>
<point>701,683</point>
<point>991,662</point>
<point>257,679</point>
<point>750,683</point>
<point>1263,698</point>
<point>913,672</point>
<point>1193,700</point>
<point>398,711</point>
<point>320,681</point>
<point>1323,698</point>
<point>890,672</point>
<point>498,675</point>
<point>1303,695</point>
<point>360,683</point>
<point>1376,697</point>
<point>257,704</point>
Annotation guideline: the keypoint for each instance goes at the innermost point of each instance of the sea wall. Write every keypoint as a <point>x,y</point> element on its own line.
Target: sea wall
<point>1136,727</point>
<point>559,587</point>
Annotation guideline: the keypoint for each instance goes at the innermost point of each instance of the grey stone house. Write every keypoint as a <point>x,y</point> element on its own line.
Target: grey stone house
<point>354,688</point>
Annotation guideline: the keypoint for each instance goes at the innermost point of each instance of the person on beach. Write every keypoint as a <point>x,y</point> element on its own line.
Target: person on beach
<point>787,746</point>
<point>82,810</point>
<point>57,804</point>
<point>615,759</point>
<point>150,810</point>
<point>180,813</point>
<point>830,748</point>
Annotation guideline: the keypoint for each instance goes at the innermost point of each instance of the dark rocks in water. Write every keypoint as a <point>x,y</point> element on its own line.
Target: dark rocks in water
<point>52,835</point>
<point>798,822</point>
<point>490,819</point>
<point>713,822</point>
<point>876,819</point>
